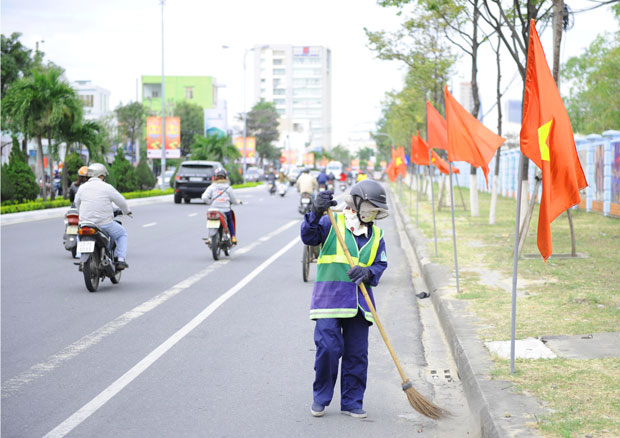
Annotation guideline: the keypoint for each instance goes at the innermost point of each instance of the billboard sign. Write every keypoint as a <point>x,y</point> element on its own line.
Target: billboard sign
<point>153,137</point>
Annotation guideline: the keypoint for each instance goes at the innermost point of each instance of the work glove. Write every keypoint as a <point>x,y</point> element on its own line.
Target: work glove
<point>357,274</point>
<point>323,201</point>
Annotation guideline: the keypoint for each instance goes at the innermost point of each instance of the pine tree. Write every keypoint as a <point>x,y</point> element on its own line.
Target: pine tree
<point>20,177</point>
<point>123,173</point>
<point>146,178</point>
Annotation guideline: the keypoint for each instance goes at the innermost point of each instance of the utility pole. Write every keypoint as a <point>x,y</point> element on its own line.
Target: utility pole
<point>163,100</point>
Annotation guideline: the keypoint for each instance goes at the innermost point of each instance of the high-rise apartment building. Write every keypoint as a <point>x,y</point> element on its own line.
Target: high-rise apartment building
<point>297,79</point>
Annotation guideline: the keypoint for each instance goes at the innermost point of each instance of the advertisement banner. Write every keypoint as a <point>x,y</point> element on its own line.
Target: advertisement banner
<point>308,159</point>
<point>355,164</point>
<point>250,146</point>
<point>323,162</point>
<point>288,157</point>
<point>153,137</point>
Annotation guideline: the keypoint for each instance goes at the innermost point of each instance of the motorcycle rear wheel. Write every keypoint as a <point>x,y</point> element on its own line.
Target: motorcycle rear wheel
<point>116,277</point>
<point>91,272</point>
<point>215,246</point>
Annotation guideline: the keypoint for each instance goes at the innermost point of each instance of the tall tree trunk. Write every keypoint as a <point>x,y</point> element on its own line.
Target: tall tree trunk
<point>473,186</point>
<point>40,169</point>
<point>558,22</point>
<point>25,146</point>
<point>498,95</point>
<point>50,164</point>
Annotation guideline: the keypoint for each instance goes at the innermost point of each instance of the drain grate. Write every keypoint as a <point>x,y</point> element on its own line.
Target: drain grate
<point>447,375</point>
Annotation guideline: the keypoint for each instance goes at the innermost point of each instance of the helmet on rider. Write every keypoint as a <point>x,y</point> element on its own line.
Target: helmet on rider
<point>369,200</point>
<point>96,170</point>
<point>83,171</point>
<point>220,174</point>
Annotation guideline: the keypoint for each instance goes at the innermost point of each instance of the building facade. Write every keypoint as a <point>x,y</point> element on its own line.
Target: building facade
<point>297,79</point>
<point>200,90</point>
<point>96,99</point>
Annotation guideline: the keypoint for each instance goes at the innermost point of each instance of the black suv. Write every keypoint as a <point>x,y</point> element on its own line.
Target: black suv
<point>192,178</point>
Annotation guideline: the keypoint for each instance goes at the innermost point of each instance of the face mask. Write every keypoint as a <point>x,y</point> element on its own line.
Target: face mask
<point>352,222</point>
<point>368,212</point>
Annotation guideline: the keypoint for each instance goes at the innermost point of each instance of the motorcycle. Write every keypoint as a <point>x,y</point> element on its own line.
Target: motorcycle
<point>343,186</point>
<point>330,186</point>
<point>69,239</point>
<point>305,203</point>
<point>272,187</point>
<point>219,238</point>
<point>97,255</point>
<point>282,189</point>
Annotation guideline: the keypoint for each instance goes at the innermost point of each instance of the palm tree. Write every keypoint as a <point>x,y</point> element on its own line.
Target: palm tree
<point>88,133</point>
<point>214,147</point>
<point>39,104</point>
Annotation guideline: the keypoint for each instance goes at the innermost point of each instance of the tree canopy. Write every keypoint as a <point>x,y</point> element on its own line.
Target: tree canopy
<point>192,123</point>
<point>263,124</point>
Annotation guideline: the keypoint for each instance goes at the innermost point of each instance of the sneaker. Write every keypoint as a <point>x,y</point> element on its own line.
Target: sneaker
<point>356,413</point>
<point>122,264</point>
<point>317,410</point>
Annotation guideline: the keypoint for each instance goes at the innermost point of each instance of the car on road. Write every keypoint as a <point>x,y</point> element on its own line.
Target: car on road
<point>293,174</point>
<point>192,178</point>
<point>166,180</point>
<point>253,174</point>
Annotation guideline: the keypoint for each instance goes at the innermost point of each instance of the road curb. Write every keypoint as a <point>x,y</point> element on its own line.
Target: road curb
<point>501,412</point>
<point>51,213</point>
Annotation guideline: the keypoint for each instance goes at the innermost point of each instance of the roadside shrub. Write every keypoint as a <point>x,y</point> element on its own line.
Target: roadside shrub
<point>145,176</point>
<point>6,185</point>
<point>73,163</point>
<point>22,184</point>
<point>125,179</point>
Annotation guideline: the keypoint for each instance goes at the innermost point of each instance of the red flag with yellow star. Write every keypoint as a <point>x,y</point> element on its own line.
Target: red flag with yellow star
<point>400,162</point>
<point>547,139</point>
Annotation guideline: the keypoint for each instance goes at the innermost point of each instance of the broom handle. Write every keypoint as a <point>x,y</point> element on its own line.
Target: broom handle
<point>367,298</point>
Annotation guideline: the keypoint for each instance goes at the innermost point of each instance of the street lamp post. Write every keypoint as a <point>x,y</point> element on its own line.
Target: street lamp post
<point>245,114</point>
<point>163,102</point>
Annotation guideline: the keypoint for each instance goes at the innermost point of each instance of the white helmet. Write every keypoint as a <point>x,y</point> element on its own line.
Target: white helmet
<point>96,170</point>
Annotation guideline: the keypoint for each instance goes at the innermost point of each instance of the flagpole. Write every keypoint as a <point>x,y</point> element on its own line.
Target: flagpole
<point>410,186</point>
<point>515,264</point>
<point>417,194</point>
<point>456,263</point>
<point>430,171</point>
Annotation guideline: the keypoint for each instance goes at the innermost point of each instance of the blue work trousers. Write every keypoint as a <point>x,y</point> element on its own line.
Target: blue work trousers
<point>345,338</point>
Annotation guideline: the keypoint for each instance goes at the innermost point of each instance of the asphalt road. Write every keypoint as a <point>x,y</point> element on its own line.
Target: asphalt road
<point>187,347</point>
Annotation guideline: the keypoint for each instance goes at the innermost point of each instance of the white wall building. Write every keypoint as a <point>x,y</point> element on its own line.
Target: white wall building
<point>297,79</point>
<point>96,99</point>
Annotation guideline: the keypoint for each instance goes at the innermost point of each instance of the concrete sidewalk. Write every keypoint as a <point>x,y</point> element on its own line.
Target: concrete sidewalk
<point>501,412</point>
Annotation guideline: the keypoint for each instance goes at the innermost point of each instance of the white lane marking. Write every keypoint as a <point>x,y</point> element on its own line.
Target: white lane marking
<point>38,370</point>
<point>192,214</point>
<point>107,394</point>
<point>150,224</point>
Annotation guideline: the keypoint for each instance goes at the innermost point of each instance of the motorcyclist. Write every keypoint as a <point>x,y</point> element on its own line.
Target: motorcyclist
<point>322,179</point>
<point>341,313</point>
<point>94,201</point>
<point>271,178</point>
<point>306,183</point>
<point>361,176</point>
<point>343,177</point>
<point>221,195</point>
<point>75,185</point>
<point>282,179</point>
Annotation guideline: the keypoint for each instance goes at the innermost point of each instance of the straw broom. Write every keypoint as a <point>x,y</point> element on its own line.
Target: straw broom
<point>417,400</point>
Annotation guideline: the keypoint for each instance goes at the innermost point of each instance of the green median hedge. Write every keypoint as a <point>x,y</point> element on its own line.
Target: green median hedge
<point>11,207</point>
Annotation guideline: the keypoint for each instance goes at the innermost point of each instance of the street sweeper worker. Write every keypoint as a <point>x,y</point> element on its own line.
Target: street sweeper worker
<point>338,306</point>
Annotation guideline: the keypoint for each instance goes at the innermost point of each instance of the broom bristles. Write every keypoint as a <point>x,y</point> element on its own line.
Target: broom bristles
<point>421,404</point>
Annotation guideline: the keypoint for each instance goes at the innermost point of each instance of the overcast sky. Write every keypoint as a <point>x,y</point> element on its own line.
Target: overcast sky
<point>114,42</point>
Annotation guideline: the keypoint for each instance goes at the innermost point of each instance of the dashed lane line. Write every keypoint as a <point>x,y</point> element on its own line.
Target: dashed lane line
<point>107,394</point>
